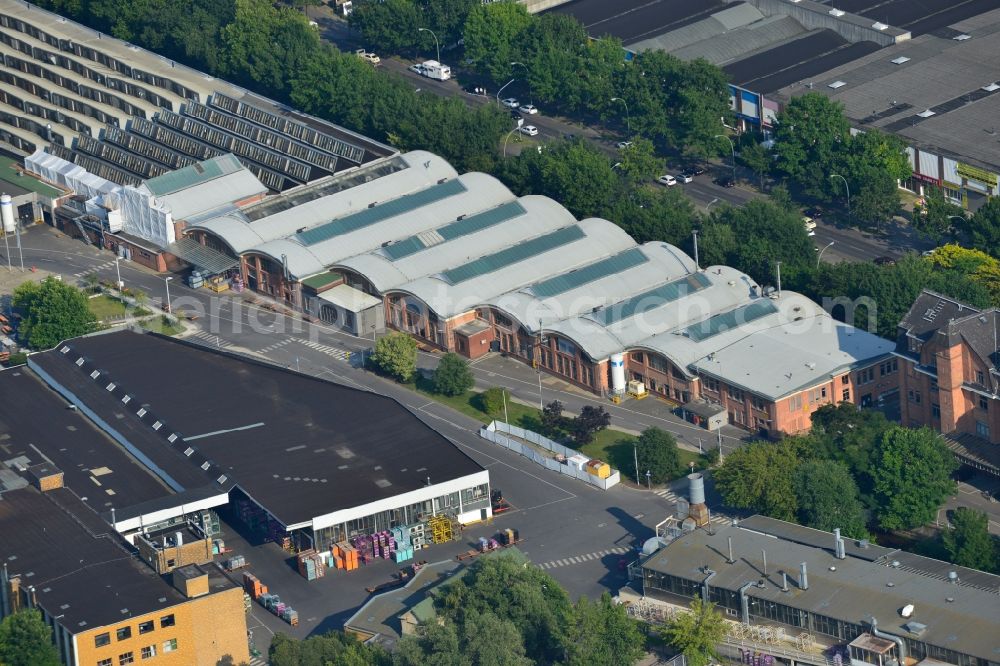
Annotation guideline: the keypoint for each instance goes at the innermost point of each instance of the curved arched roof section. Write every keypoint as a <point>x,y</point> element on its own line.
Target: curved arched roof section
<point>602,283</point>
<point>474,283</point>
<point>471,193</point>
<point>422,170</point>
<point>305,262</point>
<point>666,304</point>
<point>458,241</point>
<point>797,347</point>
<point>232,229</point>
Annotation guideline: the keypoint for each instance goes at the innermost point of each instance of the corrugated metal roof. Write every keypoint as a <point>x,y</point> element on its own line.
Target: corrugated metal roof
<point>729,320</point>
<point>581,276</point>
<point>514,254</point>
<point>193,175</point>
<point>653,298</point>
<point>202,256</point>
<point>457,229</point>
<point>370,216</point>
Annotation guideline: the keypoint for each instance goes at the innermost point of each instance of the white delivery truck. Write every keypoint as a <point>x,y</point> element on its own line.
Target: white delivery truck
<point>432,69</point>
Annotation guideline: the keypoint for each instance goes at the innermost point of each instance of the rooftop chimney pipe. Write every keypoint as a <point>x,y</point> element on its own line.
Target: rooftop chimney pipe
<point>803,577</point>
<point>730,560</point>
<point>784,582</point>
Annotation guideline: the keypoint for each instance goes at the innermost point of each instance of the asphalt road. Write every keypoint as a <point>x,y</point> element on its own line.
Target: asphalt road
<point>573,530</point>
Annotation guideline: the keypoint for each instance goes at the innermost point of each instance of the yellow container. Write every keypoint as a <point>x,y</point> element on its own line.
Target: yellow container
<point>601,470</point>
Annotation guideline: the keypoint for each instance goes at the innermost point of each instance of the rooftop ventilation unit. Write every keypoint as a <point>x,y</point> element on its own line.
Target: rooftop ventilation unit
<point>837,84</point>
<point>879,26</point>
<point>836,12</point>
<point>915,628</point>
<point>900,60</point>
<point>991,87</point>
<point>926,114</point>
<point>962,37</point>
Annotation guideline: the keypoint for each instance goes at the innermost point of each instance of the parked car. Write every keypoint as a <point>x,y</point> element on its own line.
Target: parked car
<point>530,109</point>
<point>511,103</point>
<point>810,225</point>
<point>370,57</point>
<point>667,180</point>
<point>814,212</point>
<point>698,171</point>
<point>622,145</point>
<point>685,177</point>
<point>884,261</point>
<point>416,68</point>
<point>528,130</point>
<point>725,181</point>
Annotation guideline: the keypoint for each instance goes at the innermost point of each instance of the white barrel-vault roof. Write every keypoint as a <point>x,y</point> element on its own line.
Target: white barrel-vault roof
<point>436,250</point>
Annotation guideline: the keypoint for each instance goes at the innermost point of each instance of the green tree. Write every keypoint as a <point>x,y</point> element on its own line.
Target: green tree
<point>810,133</point>
<point>639,163</point>
<point>525,596</point>
<point>937,214</point>
<point>656,451</point>
<point>872,162</point>
<point>396,355</point>
<point>25,640</point>
<point>590,421</point>
<point>846,434</point>
<point>662,214</point>
<point>696,633</point>
<point>553,422</point>
<point>760,477</point>
<point>602,634</point>
<point>390,26</point>
<point>334,648</point>
<point>984,227</point>
<point>489,640</point>
<point>493,33</point>
<point>453,376</point>
<point>92,282</point>
<point>757,158</point>
<point>491,401</point>
<point>969,542</point>
<point>828,498</point>
<point>52,312</point>
<point>912,477</point>
<point>435,644</point>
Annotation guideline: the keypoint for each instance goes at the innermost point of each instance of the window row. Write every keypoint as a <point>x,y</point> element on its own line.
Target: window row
<point>124,633</point>
<point>147,652</point>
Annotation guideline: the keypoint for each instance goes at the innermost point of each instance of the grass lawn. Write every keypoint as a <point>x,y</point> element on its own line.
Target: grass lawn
<point>615,448</point>
<point>105,307</point>
<point>162,325</point>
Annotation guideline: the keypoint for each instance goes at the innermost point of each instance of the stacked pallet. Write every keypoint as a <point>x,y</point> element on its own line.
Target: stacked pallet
<point>383,544</point>
<point>508,537</point>
<point>486,545</point>
<point>345,556</point>
<point>273,603</point>
<point>441,530</point>
<point>404,548</point>
<point>312,565</point>
<point>253,586</point>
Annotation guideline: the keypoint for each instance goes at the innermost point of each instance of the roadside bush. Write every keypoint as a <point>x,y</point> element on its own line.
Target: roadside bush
<point>491,400</point>
<point>452,376</point>
<point>396,355</point>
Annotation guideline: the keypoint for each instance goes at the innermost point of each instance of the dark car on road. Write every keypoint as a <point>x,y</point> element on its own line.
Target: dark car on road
<point>725,181</point>
<point>814,212</point>
<point>884,261</point>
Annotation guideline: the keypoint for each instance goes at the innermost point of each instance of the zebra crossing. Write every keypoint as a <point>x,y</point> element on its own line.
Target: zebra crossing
<point>671,497</point>
<point>210,339</point>
<point>276,346</point>
<point>96,269</point>
<point>580,559</point>
<point>336,352</point>
<point>258,661</point>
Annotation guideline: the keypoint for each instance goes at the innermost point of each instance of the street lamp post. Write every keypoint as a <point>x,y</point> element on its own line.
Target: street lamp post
<point>506,138</point>
<point>531,98</point>
<point>732,147</point>
<point>166,281</point>
<point>436,44</point>
<point>848,188</point>
<point>818,258</point>
<point>635,453</point>
<point>628,116</point>
<point>118,270</point>
<point>501,89</point>
<point>648,486</point>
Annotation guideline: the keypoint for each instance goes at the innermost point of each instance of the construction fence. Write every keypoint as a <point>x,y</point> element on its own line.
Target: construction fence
<point>528,443</point>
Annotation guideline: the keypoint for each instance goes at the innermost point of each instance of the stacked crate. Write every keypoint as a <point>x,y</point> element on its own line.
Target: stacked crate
<point>274,604</point>
<point>345,556</point>
<point>441,531</point>
<point>417,539</point>
<point>383,545</point>
<point>363,545</point>
<point>311,564</point>
<point>253,586</point>
<point>508,537</point>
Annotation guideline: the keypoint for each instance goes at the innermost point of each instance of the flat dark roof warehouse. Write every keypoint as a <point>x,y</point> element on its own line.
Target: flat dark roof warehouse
<point>298,446</point>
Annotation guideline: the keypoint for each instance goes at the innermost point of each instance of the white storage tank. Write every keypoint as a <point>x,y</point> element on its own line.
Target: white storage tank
<point>7,214</point>
<point>618,373</point>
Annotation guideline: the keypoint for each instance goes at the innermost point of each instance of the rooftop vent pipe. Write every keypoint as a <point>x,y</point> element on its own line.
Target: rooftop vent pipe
<point>838,544</point>
<point>803,577</point>
<point>895,639</point>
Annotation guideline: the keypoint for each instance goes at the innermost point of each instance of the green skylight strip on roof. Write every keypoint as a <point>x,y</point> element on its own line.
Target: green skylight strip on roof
<point>730,320</point>
<point>480,221</point>
<point>616,264</point>
<point>457,229</point>
<point>186,177</point>
<point>652,299</point>
<point>380,212</point>
<point>404,248</point>
<point>514,254</point>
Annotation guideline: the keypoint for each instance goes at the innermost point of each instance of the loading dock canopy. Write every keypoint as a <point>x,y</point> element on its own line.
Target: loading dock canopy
<point>349,298</point>
<point>211,261</point>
